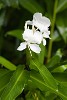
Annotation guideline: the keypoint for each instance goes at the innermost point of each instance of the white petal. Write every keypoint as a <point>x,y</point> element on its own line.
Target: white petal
<point>46,34</point>
<point>37,16</point>
<point>38,37</point>
<point>46,21</point>
<point>28,23</point>
<point>22,46</point>
<point>28,35</point>
<point>44,42</point>
<point>35,48</point>
<point>41,22</point>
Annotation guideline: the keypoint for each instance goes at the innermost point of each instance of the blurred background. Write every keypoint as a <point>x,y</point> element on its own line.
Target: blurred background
<point>14,13</point>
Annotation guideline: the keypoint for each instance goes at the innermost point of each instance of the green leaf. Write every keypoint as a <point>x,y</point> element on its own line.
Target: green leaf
<point>36,81</point>
<point>62,77</point>
<point>48,78</point>
<point>42,54</point>
<point>62,26</point>
<point>54,61</point>
<point>52,64</point>
<point>62,5</point>
<point>7,64</point>
<point>4,78</point>
<point>61,68</point>
<point>56,36</point>
<point>31,5</point>
<point>16,84</point>
<point>16,33</point>
<point>62,91</point>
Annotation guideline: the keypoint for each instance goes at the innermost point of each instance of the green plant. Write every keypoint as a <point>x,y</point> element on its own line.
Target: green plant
<point>42,76</point>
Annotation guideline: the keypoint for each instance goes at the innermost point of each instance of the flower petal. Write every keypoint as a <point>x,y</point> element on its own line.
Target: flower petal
<point>22,46</point>
<point>35,48</point>
<point>44,42</point>
<point>38,37</point>
<point>28,23</point>
<point>41,22</point>
<point>46,34</point>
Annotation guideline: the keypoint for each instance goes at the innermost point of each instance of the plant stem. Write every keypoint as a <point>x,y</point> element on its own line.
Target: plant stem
<point>52,31</point>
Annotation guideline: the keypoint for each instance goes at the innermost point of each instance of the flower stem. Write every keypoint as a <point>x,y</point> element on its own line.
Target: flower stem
<point>52,31</point>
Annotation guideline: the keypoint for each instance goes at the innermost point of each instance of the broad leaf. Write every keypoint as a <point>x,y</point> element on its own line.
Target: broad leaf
<point>54,61</point>
<point>62,4</point>
<point>4,78</point>
<point>15,33</point>
<point>16,84</point>
<point>62,77</point>
<point>7,64</point>
<point>61,24</point>
<point>42,54</point>
<point>31,5</point>
<point>61,68</point>
<point>62,91</point>
<point>48,78</point>
<point>37,82</point>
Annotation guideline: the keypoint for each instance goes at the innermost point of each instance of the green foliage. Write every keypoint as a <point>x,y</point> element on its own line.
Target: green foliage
<point>15,33</point>
<point>62,5</point>
<point>31,6</point>
<point>17,82</point>
<point>45,74</point>
<point>4,78</point>
<point>40,76</point>
<point>7,64</point>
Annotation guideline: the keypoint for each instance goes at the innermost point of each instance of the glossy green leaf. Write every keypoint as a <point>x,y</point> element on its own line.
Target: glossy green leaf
<point>62,77</point>
<point>61,68</point>
<point>31,6</point>
<point>62,91</point>
<point>42,54</point>
<point>62,4</point>
<point>7,64</point>
<point>54,61</point>
<point>37,82</point>
<point>15,33</point>
<point>16,84</point>
<point>48,78</point>
<point>56,36</point>
<point>4,78</point>
<point>61,24</point>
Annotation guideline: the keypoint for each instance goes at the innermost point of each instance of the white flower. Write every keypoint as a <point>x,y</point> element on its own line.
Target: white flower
<point>46,34</point>
<point>31,41</point>
<point>27,23</point>
<point>42,23</point>
<point>34,47</point>
<point>31,37</point>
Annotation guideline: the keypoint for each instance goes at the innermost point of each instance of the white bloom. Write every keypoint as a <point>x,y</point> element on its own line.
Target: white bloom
<point>34,47</point>
<point>42,23</point>
<point>46,34</point>
<point>31,41</point>
<point>31,37</point>
<point>27,23</point>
